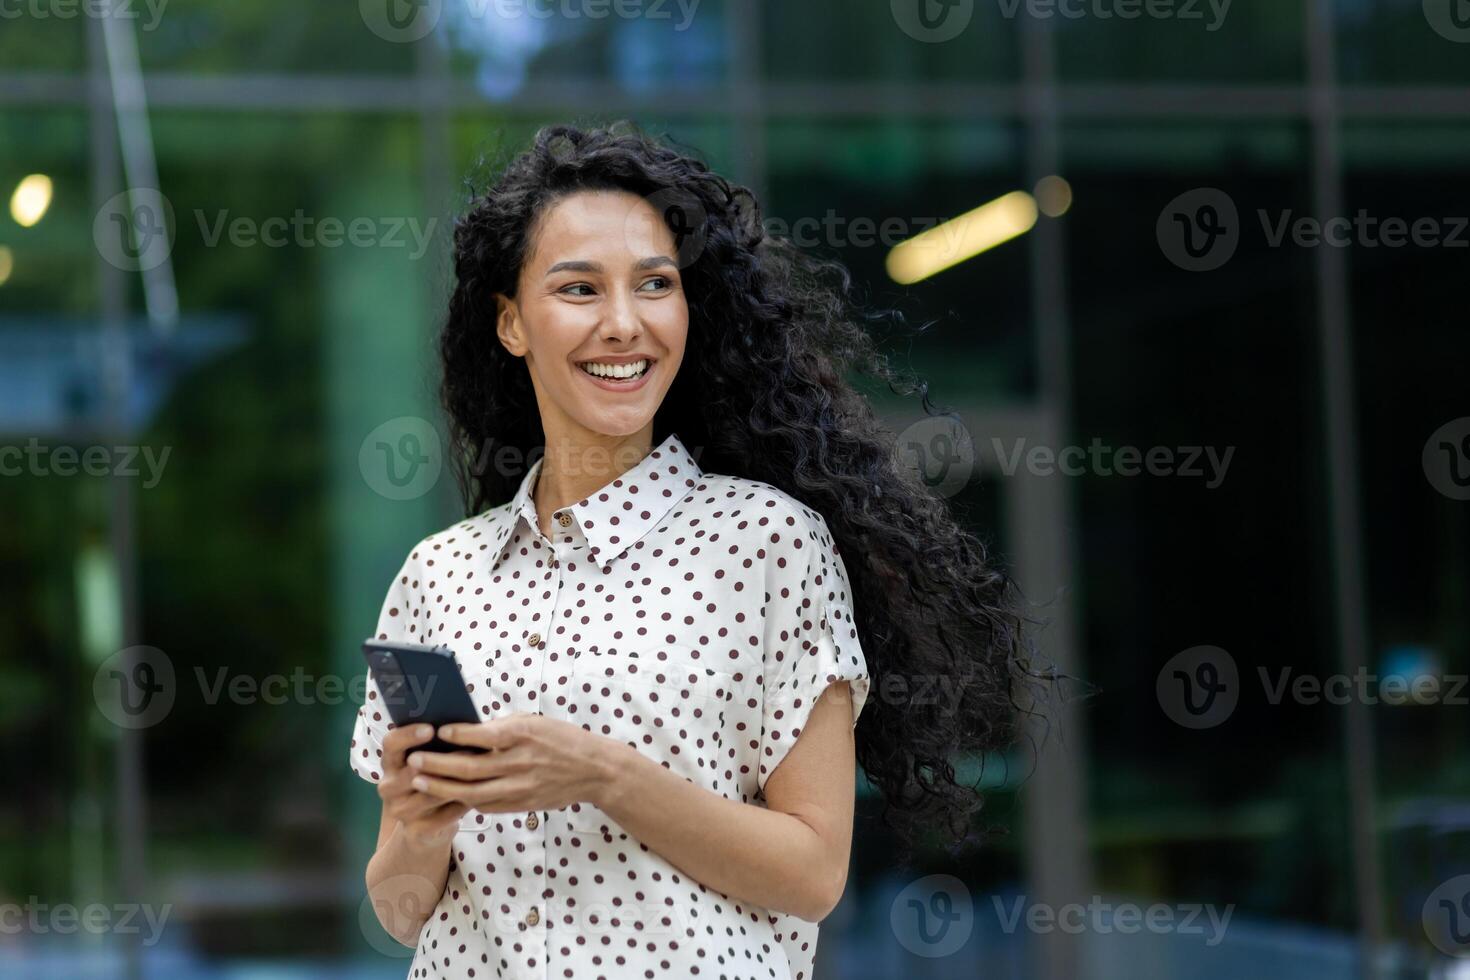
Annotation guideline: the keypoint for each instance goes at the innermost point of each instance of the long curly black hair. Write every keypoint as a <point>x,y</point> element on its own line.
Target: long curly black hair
<point>763,391</point>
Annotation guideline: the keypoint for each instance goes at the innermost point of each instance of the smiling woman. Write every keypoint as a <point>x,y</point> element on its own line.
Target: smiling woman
<point>672,620</point>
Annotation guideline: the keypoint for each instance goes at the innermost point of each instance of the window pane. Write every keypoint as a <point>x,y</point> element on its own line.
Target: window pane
<point>273,36</point>
<point>1405,187</point>
<point>647,47</point>
<point>831,40</point>
<point>1176,40</point>
<point>854,190</point>
<point>1417,43</point>
<point>42,37</point>
<point>1205,358</point>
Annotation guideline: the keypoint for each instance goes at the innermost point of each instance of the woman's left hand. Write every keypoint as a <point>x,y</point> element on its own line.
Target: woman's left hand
<point>534,763</point>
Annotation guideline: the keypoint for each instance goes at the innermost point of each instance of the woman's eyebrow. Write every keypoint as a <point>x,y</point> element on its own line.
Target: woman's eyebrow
<point>584,265</point>
<point>575,265</point>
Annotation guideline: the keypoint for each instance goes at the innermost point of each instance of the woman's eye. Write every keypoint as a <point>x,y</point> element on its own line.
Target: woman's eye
<point>658,282</point>
<point>577,285</point>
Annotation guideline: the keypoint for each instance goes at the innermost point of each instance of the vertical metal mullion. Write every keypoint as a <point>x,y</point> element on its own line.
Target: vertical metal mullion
<point>1058,864</point>
<point>743,23</point>
<point>1343,505</point>
<point>106,180</point>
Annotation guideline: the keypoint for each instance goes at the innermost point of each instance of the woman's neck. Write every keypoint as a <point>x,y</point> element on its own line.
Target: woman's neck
<point>576,466</point>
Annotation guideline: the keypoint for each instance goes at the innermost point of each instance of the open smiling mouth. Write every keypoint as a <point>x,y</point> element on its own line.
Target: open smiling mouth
<point>617,375</point>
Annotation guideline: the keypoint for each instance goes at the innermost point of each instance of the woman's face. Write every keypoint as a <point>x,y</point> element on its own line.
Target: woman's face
<point>599,314</point>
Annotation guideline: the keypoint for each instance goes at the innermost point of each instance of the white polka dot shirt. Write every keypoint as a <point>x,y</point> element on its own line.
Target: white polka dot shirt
<point>693,616</point>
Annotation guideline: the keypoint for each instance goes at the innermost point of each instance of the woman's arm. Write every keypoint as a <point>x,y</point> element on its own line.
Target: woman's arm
<point>410,866</point>
<point>789,856</point>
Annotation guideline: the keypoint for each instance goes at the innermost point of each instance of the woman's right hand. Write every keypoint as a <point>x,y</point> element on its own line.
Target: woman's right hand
<point>427,821</point>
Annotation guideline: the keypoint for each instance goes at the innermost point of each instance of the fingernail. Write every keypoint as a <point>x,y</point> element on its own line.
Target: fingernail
<point>447,731</point>
<point>420,783</point>
<point>425,731</point>
<point>416,760</point>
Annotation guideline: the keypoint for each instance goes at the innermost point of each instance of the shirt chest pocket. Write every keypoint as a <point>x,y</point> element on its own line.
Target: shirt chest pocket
<point>670,706</point>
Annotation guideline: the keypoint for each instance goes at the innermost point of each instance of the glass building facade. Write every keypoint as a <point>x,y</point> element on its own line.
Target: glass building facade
<point>1303,395</point>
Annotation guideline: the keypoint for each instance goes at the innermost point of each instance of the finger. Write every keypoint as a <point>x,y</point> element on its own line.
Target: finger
<point>469,767</point>
<point>424,807</point>
<point>473,794</point>
<point>416,806</point>
<point>445,814</point>
<point>398,741</point>
<point>498,733</point>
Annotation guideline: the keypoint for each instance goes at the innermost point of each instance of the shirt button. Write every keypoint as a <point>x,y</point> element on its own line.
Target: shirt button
<point>533,821</point>
<point>564,519</point>
<point>533,917</point>
<point>534,639</point>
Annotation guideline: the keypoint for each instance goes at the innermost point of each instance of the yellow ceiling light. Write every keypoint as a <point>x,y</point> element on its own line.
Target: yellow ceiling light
<point>7,264</point>
<point>962,238</point>
<point>31,199</point>
<point>1054,196</point>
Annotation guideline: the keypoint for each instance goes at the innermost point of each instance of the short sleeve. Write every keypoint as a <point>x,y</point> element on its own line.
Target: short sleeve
<point>811,640</point>
<point>397,621</point>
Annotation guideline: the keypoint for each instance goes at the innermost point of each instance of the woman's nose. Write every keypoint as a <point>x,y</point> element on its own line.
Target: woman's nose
<point>621,320</point>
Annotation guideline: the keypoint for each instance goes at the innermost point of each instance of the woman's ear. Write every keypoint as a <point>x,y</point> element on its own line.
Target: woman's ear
<point>508,325</point>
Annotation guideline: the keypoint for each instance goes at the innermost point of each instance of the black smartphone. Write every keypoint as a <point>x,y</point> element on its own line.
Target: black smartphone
<point>421,684</point>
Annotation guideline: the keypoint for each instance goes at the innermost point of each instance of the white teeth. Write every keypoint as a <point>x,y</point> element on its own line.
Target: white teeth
<point>631,370</point>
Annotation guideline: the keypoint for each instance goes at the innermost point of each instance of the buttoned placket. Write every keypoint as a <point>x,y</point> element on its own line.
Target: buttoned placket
<point>536,637</point>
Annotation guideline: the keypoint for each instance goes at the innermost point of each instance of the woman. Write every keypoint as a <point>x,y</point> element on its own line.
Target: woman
<point>691,558</point>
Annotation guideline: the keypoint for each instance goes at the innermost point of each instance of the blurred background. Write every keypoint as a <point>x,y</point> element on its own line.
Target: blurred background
<point>1199,323</point>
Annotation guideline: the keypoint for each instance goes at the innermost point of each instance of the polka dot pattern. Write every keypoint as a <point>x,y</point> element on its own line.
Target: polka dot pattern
<point>694,616</point>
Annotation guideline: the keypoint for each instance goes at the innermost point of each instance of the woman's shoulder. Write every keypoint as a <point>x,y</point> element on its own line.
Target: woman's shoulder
<point>460,540</point>
<point>762,506</point>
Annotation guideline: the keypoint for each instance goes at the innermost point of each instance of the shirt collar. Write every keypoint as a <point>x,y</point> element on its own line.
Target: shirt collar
<point>618,515</point>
